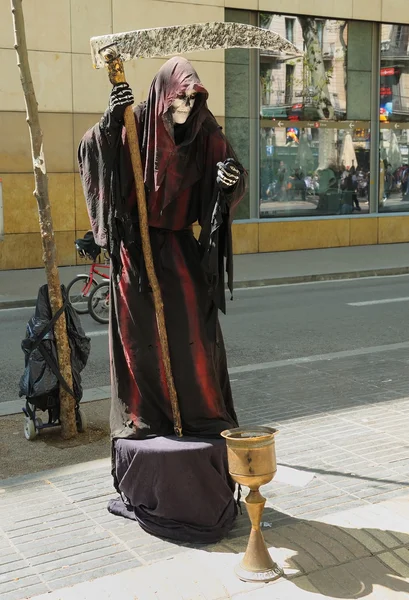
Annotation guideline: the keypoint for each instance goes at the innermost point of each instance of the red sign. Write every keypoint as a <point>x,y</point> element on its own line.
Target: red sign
<point>388,71</point>
<point>386,91</point>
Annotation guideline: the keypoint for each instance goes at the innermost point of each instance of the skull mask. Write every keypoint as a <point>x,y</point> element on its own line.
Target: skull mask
<point>182,106</point>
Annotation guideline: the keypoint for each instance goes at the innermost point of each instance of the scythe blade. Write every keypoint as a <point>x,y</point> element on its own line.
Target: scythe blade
<point>179,39</point>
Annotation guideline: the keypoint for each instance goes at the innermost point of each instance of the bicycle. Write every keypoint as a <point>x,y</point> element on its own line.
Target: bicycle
<point>98,302</point>
<point>79,289</point>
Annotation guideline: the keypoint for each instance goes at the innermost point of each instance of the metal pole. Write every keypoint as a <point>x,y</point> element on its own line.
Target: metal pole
<point>375,129</point>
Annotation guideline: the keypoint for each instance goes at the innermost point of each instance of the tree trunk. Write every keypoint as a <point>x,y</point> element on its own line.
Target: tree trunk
<point>67,402</point>
<point>319,83</point>
<point>345,50</point>
<point>315,65</point>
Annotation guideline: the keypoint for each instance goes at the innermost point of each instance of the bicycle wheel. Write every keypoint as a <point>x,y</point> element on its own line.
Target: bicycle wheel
<point>78,291</point>
<point>98,302</point>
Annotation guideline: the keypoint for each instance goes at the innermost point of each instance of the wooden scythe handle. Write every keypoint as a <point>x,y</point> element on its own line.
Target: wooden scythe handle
<point>117,75</point>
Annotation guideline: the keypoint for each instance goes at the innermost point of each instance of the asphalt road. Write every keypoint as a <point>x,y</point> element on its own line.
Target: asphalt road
<point>262,325</point>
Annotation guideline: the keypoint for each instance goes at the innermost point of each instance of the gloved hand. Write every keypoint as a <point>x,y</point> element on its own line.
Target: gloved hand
<point>228,173</point>
<point>121,97</point>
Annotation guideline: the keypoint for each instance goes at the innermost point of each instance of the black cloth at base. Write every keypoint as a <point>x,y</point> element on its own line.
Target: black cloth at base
<point>175,488</point>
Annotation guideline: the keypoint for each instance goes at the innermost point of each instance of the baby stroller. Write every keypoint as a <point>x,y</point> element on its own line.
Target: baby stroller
<point>87,248</point>
<point>41,380</point>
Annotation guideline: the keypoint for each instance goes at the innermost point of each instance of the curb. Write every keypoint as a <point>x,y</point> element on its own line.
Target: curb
<point>323,277</point>
<point>383,272</point>
<point>26,303</point>
<point>14,407</point>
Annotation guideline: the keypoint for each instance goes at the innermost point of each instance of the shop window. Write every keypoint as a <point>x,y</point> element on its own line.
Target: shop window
<point>313,171</point>
<point>394,118</point>
<point>394,168</point>
<point>314,159</point>
<point>394,75</point>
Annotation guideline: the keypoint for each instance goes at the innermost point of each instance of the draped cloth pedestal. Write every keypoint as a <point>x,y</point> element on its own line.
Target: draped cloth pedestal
<point>176,488</point>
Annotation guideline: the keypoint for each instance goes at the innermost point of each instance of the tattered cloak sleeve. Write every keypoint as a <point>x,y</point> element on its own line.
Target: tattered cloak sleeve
<point>107,180</point>
<point>96,159</point>
<point>216,215</point>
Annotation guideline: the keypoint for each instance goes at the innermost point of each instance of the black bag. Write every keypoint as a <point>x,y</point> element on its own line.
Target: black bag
<point>41,380</point>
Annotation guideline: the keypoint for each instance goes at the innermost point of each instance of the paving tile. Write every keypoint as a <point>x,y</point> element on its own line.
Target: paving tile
<point>88,566</point>
<point>99,571</point>
<point>344,537</point>
<point>395,562</point>
<point>47,527</point>
<point>367,540</point>
<point>338,581</point>
<point>19,584</point>
<point>49,516</point>
<point>83,559</point>
<point>328,539</point>
<point>302,559</point>
<point>47,534</point>
<point>30,548</point>
<point>403,554</point>
<point>14,570</point>
<point>8,555</point>
<point>22,594</point>
<point>43,559</point>
<point>379,578</point>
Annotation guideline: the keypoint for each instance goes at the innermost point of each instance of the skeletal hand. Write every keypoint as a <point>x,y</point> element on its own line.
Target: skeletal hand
<point>228,173</point>
<point>121,97</point>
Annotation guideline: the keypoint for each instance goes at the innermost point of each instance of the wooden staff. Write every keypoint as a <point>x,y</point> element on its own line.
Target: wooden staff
<point>117,75</point>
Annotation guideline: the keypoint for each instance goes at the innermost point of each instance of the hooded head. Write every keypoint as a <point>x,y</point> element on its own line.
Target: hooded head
<point>175,111</point>
<point>176,94</point>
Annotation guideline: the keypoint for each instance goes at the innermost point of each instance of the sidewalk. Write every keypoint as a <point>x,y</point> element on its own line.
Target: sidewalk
<point>336,518</point>
<point>19,288</point>
<point>337,512</point>
<point>359,553</point>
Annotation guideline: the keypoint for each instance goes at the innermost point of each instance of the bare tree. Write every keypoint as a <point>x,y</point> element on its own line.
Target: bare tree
<point>320,90</point>
<point>342,28</point>
<point>316,67</point>
<point>67,402</point>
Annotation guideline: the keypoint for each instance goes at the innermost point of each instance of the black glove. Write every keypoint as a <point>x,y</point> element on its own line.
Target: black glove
<point>228,173</point>
<point>121,97</point>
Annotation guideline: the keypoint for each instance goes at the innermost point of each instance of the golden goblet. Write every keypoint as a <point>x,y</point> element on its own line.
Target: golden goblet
<point>252,462</point>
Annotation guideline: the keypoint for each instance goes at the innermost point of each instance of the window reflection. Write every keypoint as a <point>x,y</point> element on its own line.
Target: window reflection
<point>312,87</point>
<point>394,169</point>
<point>315,170</point>
<point>394,73</point>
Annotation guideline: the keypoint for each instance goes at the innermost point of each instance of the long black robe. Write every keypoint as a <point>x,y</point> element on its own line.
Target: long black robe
<point>181,189</point>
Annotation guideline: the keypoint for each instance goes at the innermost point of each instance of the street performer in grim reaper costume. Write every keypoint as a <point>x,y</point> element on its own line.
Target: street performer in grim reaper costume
<point>191,174</point>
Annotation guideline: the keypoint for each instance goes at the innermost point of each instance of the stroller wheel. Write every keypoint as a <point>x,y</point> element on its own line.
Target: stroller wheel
<point>81,420</point>
<point>38,422</point>
<point>30,429</point>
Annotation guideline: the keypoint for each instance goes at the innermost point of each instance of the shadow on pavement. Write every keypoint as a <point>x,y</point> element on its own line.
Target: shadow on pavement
<point>340,562</point>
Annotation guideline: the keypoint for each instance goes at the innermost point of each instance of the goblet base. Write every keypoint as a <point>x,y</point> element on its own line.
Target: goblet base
<point>265,576</point>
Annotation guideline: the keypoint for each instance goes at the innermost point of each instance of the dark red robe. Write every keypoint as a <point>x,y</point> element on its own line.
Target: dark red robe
<point>180,169</point>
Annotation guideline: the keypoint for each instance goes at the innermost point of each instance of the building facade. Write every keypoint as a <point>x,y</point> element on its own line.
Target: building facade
<point>324,136</point>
